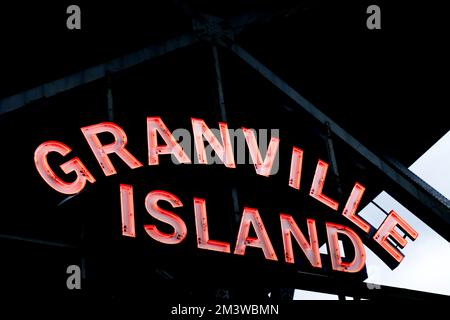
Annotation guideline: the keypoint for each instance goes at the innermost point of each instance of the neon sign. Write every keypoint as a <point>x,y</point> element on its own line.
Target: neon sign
<point>251,220</point>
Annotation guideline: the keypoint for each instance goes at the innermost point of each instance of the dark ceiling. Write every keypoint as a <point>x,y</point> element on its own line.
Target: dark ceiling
<point>384,86</point>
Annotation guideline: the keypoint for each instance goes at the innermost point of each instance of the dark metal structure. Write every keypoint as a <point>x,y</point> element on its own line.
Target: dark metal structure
<point>267,64</point>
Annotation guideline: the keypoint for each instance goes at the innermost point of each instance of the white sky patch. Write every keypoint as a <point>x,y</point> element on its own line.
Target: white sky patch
<point>425,267</point>
<point>311,295</point>
<point>372,214</point>
<point>434,166</point>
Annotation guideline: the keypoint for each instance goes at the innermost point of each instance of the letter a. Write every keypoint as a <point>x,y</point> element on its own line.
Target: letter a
<point>74,20</point>
<point>374,20</point>
<point>74,280</point>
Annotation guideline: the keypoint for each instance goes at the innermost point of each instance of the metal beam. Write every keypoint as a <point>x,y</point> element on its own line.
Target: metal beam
<point>428,196</point>
<point>94,73</point>
<point>228,27</point>
<point>38,241</point>
<point>218,74</point>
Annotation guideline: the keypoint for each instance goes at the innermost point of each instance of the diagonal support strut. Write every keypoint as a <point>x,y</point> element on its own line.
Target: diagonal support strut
<point>418,191</point>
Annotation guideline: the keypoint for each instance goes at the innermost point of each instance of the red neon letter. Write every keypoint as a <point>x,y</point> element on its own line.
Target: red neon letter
<point>223,150</point>
<point>127,210</point>
<point>352,205</point>
<point>262,168</point>
<point>151,204</point>
<point>317,186</point>
<point>335,252</point>
<point>251,216</point>
<point>118,146</point>
<point>310,249</point>
<point>388,229</point>
<point>74,165</point>
<point>201,225</point>
<point>296,168</point>
<point>155,124</point>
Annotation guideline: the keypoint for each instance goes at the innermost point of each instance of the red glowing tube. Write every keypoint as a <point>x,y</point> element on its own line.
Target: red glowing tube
<point>73,165</point>
<point>318,183</point>
<point>201,225</point>
<point>251,216</point>
<point>335,252</point>
<point>156,125</point>
<point>127,210</point>
<point>352,205</point>
<point>296,168</point>
<point>151,204</point>
<point>118,146</point>
<point>310,249</point>
<point>224,149</point>
<point>387,229</point>
<point>262,167</point>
